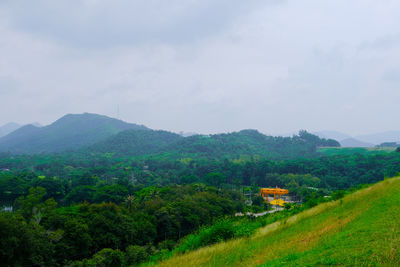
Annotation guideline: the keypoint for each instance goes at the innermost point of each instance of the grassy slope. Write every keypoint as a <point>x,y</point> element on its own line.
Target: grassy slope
<point>361,229</point>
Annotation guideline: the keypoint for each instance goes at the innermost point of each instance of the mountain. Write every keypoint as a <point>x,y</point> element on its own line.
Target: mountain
<point>136,142</point>
<point>8,128</point>
<point>70,132</point>
<point>332,135</point>
<point>366,140</point>
<point>360,229</point>
<point>389,144</point>
<point>378,138</point>
<point>236,144</point>
<point>187,134</point>
<point>352,142</point>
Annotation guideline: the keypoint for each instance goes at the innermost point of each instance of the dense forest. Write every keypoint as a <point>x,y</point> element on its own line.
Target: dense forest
<point>73,208</point>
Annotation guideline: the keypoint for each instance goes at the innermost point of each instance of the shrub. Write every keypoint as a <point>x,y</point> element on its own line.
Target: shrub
<point>106,257</point>
<point>222,230</point>
<point>338,194</point>
<point>258,201</point>
<point>136,254</point>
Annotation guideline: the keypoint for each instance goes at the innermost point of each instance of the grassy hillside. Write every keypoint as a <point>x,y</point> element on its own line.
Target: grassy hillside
<point>361,229</point>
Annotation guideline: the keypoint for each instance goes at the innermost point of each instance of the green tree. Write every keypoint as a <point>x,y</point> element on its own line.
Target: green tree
<point>135,255</point>
<point>106,257</point>
<point>111,193</point>
<point>23,245</point>
<point>258,201</point>
<point>31,207</point>
<point>129,202</point>
<point>215,178</point>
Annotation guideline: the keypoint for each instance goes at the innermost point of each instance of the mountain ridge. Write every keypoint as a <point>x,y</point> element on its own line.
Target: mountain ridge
<point>243,143</point>
<point>8,128</point>
<point>70,132</point>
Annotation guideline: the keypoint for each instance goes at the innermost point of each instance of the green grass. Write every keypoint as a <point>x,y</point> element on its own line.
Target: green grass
<point>333,151</point>
<point>362,229</point>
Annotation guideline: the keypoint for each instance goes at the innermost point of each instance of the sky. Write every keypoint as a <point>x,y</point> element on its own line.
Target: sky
<point>205,66</point>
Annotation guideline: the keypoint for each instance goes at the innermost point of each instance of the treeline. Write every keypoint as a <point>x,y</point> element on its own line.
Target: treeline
<point>231,145</point>
<point>41,232</point>
<point>66,176</point>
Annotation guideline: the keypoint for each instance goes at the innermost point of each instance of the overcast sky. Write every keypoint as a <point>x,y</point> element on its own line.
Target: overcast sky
<point>205,66</point>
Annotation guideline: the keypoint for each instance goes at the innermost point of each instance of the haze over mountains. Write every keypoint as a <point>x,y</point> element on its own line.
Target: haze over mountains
<point>367,140</point>
<point>8,128</point>
<point>70,132</point>
<point>104,134</point>
<point>98,133</point>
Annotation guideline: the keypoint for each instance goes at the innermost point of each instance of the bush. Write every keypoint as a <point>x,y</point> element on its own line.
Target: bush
<point>136,254</point>
<point>222,230</point>
<point>106,257</point>
<point>338,194</point>
<point>258,201</point>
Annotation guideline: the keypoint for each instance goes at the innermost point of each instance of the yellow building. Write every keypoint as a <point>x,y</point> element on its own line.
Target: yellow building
<point>277,192</point>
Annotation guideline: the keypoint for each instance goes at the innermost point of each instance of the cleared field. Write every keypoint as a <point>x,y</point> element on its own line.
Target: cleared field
<point>362,229</point>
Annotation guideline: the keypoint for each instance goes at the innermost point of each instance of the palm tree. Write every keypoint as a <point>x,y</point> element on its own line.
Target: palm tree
<point>129,202</point>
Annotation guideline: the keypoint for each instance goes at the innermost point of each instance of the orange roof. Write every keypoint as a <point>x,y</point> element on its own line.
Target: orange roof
<point>277,191</point>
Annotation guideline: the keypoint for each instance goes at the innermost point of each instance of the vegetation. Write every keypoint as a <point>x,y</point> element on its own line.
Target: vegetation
<point>152,218</point>
<point>389,144</point>
<point>334,151</point>
<point>359,230</point>
<point>94,133</point>
<point>243,143</point>
<point>70,132</point>
<point>140,195</point>
<point>85,209</point>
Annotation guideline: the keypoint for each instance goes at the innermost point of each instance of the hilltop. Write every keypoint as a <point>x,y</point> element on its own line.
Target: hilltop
<point>360,229</point>
<point>235,144</point>
<point>70,132</point>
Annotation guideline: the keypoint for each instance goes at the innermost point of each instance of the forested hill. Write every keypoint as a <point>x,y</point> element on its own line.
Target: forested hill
<point>136,142</point>
<point>236,144</point>
<point>70,132</point>
<point>100,134</point>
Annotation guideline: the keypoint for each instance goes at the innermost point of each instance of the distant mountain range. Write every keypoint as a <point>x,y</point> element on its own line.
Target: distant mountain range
<point>12,126</point>
<point>333,135</point>
<point>98,133</point>
<point>352,142</point>
<point>368,140</point>
<point>70,132</point>
<point>8,128</point>
<point>378,138</point>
